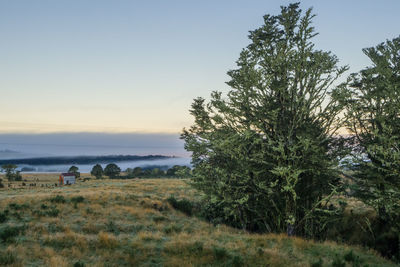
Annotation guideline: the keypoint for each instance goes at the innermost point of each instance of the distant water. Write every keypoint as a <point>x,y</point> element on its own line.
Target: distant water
<point>13,146</point>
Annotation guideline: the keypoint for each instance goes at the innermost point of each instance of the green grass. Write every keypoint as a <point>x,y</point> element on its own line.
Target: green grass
<point>137,223</point>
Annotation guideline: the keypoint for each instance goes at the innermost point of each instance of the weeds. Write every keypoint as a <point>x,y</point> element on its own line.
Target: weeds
<point>16,206</point>
<point>7,258</point>
<point>78,199</point>
<point>58,199</point>
<point>111,227</point>
<point>8,232</point>
<point>46,212</point>
<point>318,263</point>
<point>79,264</point>
<point>3,216</point>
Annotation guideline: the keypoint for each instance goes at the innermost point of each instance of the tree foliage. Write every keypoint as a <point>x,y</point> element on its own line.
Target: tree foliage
<point>264,154</point>
<point>97,171</point>
<point>11,173</point>
<point>373,116</point>
<point>112,170</point>
<point>75,171</point>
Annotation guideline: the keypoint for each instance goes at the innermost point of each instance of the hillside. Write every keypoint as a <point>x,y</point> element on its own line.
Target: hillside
<point>131,223</point>
<point>80,159</point>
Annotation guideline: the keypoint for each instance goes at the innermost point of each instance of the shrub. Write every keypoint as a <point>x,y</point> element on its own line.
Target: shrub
<point>196,247</point>
<point>52,212</point>
<point>174,228</point>
<point>7,258</point>
<point>3,217</point>
<point>338,262</point>
<point>79,264</point>
<point>8,232</point>
<point>182,205</point>
<point>58,199</point>
<point>236,261</point>
<point>220,253</point>
<point>78,199</point>
<point>318,263</point>
<point>112,227</point>
<point>16,206</point>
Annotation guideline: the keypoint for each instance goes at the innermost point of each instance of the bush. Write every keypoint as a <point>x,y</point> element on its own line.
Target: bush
<point>236,261</point>
<point>79,264</point>
<point>78,199</point>
<point>52,212</point>
<point>3,217</point>
<point>111,227</point>
<point>8,232</point>
<point>220,253</point>
<point>318,263</point>
<point>338,262</point>
<point>182,205</point>
<point>196,247</point>
<point>7,258</point>
<point>58,199</point>
<point>16,206</point>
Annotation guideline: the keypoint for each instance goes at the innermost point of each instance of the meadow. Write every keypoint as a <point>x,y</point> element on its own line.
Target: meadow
<point>141,222</point>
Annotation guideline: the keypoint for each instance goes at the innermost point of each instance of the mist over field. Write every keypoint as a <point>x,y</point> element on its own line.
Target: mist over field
<point>17,146</point>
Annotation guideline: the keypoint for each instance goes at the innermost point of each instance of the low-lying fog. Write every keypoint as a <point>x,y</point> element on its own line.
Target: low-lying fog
<point>13,146</point>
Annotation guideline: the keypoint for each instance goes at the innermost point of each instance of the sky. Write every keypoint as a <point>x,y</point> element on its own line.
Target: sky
<point>72,66</point>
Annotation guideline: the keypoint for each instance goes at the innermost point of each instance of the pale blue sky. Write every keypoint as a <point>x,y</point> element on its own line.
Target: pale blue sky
<point>135,66</point>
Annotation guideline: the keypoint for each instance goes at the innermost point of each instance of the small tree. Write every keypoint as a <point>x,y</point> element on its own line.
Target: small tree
<point>75,171</point>
<point>10,170</point>
<point>97,171</point>
<point>112,170</point>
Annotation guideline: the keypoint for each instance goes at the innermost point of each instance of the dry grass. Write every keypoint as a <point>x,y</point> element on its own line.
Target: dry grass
<point>130,223</point>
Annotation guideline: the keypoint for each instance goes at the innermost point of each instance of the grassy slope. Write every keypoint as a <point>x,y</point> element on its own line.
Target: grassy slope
<point>129,222</point>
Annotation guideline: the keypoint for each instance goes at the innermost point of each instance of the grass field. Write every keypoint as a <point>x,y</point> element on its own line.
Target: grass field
<point>131,223</point>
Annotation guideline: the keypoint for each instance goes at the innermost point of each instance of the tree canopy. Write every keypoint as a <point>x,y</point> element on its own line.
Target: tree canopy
<point>373,117</point>
<point>97,171</point>
<point>112,170</point>
<point>264,154</point>
<point>75,171</point>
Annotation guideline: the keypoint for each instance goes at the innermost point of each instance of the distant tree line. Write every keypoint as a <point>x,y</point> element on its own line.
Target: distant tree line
<point>155,172</point>
<point>113,171</point>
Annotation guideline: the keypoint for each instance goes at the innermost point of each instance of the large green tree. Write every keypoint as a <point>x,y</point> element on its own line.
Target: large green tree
<point>264,155</point>
<point>373,116</point>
